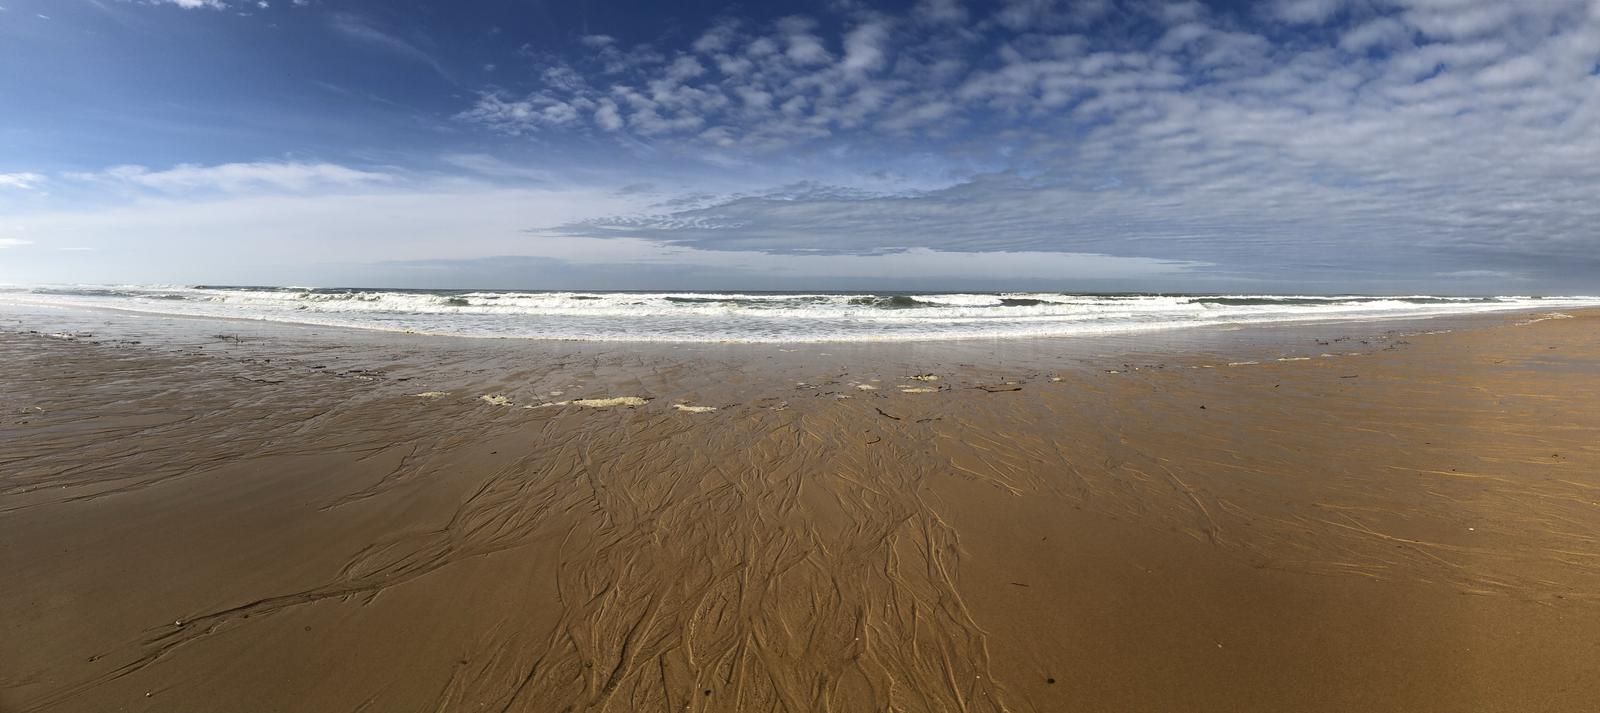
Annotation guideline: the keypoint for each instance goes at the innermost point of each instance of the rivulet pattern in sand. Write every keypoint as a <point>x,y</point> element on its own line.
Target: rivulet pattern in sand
<point>688,567</point>
<point>190,531</point>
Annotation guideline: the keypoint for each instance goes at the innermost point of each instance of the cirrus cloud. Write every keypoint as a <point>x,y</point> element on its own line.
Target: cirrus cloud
<point>236,177</point>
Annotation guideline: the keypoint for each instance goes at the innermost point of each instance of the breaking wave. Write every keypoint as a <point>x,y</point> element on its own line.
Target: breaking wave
<point>756,316</point>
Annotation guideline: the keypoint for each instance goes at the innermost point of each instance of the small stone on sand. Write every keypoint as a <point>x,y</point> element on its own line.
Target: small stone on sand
<point>495,400</point>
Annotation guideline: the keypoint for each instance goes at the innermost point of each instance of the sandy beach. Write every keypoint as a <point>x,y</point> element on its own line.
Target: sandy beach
<point>204,516</point>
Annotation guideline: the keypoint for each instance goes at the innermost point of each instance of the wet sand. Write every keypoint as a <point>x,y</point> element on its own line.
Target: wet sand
<point>205,516</point>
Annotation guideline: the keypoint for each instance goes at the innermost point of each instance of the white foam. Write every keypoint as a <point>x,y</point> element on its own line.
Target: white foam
<point>610,402</point>
<point>740,317</point>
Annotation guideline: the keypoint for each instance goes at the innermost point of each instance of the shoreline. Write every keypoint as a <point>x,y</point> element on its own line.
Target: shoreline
<point>886,332</point>
<point>40,317</point>
<point>198,522</point>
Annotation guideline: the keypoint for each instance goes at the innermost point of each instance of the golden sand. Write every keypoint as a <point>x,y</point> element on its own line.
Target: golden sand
<point>1407,527</point>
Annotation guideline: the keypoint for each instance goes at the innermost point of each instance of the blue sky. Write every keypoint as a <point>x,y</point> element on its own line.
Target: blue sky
<point>1288,146</point>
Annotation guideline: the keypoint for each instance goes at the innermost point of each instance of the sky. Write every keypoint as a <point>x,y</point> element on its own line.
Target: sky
<point>1300,146</point>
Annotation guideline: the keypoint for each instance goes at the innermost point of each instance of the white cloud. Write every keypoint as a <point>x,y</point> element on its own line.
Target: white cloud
<point>1383,32</point>
<point>864,47</point>
<point>13,242</point>
<point>606,115</point>
<point>192,4</point>
<point>21,181</point>
<point>719,38</point>
<point>940,11</point>
<point>684,68</point>
<point>523,115</point>
<point>1023,14</point>
<point>1471,18</point>
<point>238,177</point>
<point>1514,71</point>
<point>217,231</point>
<point>804,47</point>
<point>1307,11</point>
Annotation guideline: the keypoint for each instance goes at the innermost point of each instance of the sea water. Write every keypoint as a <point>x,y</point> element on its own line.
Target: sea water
<point>757,316</point>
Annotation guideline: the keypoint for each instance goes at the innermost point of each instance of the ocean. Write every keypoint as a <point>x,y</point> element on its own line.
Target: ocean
<point>762,317</point>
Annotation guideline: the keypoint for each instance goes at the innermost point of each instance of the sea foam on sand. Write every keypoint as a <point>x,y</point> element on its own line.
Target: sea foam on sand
<point>629,401</point>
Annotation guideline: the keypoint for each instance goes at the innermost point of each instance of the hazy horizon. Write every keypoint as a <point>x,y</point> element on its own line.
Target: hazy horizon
<point>931,290</point>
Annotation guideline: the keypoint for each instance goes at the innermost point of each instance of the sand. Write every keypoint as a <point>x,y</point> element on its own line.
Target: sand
<point>1407,524</point>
